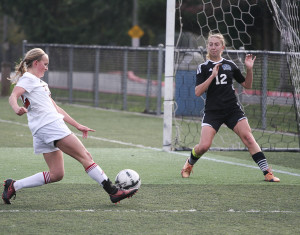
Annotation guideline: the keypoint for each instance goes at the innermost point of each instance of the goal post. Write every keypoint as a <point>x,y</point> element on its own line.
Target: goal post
<point>169,75</point>
<point>272,105</point>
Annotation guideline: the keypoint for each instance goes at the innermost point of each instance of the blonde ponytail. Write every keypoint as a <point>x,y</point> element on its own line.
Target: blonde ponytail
<point>21,68</point>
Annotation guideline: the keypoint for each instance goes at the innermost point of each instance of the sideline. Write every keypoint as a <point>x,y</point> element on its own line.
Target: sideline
<point>253,211</point>
<point>160,150</point>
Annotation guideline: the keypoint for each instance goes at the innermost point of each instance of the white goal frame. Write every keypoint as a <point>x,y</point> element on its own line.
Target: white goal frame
<point>169,75</point>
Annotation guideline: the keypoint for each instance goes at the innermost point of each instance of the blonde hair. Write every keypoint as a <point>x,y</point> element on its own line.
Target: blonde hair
<point>218,36</point>
<point>30,56</point>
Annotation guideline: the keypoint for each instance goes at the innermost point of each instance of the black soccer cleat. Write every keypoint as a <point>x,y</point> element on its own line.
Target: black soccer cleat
<point>122,194</point>
<point>9,191</point>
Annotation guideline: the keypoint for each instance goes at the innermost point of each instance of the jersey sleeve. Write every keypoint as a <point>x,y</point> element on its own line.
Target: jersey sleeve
<point>27,83</point>
<point>200,78</point>
<point>238,76</point>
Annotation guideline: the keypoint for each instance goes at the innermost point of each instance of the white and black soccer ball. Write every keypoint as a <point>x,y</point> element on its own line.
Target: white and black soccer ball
<point>128,179</point>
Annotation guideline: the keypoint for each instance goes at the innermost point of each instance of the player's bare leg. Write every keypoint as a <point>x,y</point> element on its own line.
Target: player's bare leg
<point>243,130</point>
<point>72,146</point>
<point>206,138</point>
<point>55,162</point>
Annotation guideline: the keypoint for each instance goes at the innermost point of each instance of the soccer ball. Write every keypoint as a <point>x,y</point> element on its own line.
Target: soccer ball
<point>128,179</point>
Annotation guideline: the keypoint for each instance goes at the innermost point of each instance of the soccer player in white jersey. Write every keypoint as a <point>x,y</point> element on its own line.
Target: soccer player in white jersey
<point>51,136</point>
<point>215,77</point>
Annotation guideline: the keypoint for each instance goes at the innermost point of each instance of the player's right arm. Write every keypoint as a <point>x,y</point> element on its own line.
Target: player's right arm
<point>13,100</point>
<point>71,121</point>
<point>202,87</point>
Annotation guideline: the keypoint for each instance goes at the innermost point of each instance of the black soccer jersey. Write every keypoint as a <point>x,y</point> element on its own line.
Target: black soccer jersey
<point>220,93</point>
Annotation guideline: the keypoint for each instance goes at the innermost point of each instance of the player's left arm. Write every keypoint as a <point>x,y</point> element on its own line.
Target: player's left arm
<point>72,121</point>
<point>249,62</point>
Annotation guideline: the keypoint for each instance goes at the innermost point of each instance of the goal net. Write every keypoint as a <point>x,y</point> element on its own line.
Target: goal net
<point>272,105</point>
<point>288,23</point>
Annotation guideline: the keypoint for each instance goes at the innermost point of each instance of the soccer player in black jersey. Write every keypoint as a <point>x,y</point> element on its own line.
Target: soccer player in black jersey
<point>215,77</point>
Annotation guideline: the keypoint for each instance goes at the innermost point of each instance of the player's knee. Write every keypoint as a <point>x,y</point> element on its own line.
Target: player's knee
<point>249,140</point>
<point>57,176</point>
<point>201,149</point>
<point>205,148</point>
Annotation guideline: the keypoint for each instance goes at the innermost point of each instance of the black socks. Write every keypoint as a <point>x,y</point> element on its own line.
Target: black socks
<point>261,161</point>
<point>109,187</point>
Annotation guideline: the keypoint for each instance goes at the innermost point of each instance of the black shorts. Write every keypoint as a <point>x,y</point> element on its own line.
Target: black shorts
<point>230,117</point>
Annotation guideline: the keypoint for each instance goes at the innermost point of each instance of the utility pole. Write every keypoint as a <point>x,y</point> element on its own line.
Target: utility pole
<point>135,32</point>
<point>135,13</point>
<point>135,42</point>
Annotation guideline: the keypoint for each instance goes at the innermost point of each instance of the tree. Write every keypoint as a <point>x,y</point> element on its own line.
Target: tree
<point>105,22</point>
<point>72,21</point>
<point>152,19</point>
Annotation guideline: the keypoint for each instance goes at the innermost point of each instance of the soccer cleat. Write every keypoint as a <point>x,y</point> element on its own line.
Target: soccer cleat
<point>187,169</point>
<point>9,191</point>
<point>270,177</point>
<point>122,194</point>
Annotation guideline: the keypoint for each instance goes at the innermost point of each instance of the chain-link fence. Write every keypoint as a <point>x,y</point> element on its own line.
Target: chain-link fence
<point>270,104</point>
<point>124,78</point>
<point>128,78</point>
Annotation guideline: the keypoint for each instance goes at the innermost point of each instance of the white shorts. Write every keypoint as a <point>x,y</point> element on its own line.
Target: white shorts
<point>43,139</point>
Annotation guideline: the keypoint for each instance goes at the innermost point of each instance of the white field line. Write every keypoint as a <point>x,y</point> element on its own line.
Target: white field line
<point>158,149</point>
<point>254,211</point>
<point>11,122</point>
<point>184,154</point>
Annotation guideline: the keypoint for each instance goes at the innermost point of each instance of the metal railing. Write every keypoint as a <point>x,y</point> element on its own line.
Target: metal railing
<point>124,78</point>
<point>131,78</point>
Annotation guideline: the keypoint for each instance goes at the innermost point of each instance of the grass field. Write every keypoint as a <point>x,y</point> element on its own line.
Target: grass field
<point>226,193</point>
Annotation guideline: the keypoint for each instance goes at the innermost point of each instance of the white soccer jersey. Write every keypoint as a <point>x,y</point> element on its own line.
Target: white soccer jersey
<point>36,99</point>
